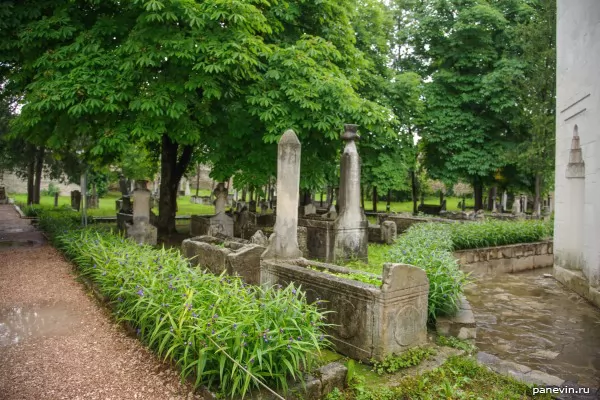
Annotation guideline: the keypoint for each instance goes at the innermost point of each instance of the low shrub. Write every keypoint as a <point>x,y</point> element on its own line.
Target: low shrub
<point>410,358</point>
<point>429,246</point>
<point>196,319</point>
<point>498,233</point>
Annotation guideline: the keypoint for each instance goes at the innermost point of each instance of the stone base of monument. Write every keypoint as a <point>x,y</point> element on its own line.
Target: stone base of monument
<point>384,233</point>
<point>351,242</point>
<point>247,223</point>
<point>367,321</point>
<point>124,219</point>
<point>462,325</point>
<point>319,238</point>
<point>141,233</point>
<point>230,255</point>
<point>211,225</point>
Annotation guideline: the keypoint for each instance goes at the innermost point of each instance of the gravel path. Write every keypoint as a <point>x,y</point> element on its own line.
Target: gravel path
<point>56,341</point>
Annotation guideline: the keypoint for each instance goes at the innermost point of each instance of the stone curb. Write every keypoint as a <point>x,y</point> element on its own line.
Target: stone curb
<point>462,325</point>
<point>530,376</point>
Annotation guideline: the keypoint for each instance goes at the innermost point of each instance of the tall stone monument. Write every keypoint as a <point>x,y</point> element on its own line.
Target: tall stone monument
<point>577,187</point>
<point>351,225</point>
<point>283,243</point>
<point>141,231</point>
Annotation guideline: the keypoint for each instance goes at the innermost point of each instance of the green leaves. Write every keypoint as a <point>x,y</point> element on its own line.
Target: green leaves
<point>195,318</point>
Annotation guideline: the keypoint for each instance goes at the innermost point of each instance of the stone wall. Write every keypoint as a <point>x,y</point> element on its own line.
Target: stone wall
<point>577,187</point>
<point>367,321</point>
<point>230,255</point>
<point>503,259</point>
<point>14,184</point>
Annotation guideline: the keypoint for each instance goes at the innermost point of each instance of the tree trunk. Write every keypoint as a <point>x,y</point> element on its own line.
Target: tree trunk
<point>414,192</point>
<point>30,182</point>
<point>388,205</point>
<point>362,197</point>
<point>39,167</point>
<point>171,171</point>
<point>478,195</point>
<point>375,198</point>
<point>329,196</point>
<point>244,190</point>
<point>538,193</point>
<point>441,197</point>
<point>197,179</point>
<point>464,202</point>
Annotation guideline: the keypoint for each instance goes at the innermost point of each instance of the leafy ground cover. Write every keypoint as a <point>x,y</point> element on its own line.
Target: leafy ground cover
<point>498,233</point>
<point>460,377</point>
<point>218,330</point>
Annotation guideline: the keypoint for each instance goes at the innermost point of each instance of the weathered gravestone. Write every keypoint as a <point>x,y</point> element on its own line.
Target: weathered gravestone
<point>283,243</point>
<point>351,225</point>
<point>76,200</point>
<point>141,231</point>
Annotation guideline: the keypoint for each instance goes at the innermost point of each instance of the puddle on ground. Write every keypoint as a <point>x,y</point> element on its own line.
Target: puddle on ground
<point>18,324</point>
<point>9,244</point>
<point>533,320</point>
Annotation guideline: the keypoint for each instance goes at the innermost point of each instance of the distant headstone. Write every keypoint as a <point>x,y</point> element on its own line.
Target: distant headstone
<point>252,206</point>
<point>141,231</point>
<point>388,232</point>
<point>220,193</point>
<point>76,200</point>
<point>259,238</point>
<point>310,209</point>
<point>516,208</point>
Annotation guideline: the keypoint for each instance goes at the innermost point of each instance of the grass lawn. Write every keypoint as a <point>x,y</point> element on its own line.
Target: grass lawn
<point>107,204</point>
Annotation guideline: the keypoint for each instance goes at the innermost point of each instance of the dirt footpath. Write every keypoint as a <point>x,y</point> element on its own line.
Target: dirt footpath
<point>56,341</point>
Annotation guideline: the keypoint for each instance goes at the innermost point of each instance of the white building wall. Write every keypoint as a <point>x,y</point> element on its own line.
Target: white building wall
<point>577,220</point>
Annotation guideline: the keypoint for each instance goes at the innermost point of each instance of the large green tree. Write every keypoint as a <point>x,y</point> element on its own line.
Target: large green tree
<point>185,75</point>
<point>465,49</point>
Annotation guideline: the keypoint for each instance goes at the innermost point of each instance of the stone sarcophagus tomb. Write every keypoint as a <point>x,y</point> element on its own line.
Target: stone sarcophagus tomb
<point>225,254</point>
<point>368,321</point>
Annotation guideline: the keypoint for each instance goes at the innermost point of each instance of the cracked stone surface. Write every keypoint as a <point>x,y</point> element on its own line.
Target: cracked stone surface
<point>56,341</point>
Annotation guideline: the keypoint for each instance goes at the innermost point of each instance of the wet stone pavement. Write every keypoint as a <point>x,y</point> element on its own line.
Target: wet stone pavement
<point>531,319</point>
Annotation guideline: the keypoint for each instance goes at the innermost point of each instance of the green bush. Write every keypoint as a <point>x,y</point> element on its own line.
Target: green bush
<point>498,233</point>
<point>429,246</point>
<point>51,191</point>
<point>197,319</point>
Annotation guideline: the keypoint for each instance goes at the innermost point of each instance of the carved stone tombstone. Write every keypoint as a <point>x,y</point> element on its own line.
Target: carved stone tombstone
<point>252,206</point>
<point>351,225</point>
<point>516,208</point>
<point>283,243</point>
<point>220,193</point>
<point>141,231</point>
<point>76,200</point>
